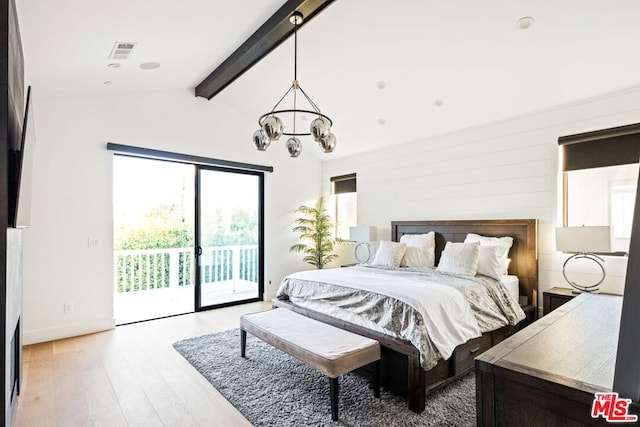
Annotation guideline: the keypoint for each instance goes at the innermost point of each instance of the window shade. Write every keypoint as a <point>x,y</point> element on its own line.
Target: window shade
<point>150,153</point>
<point>344,184</point>
<point>607,147</point>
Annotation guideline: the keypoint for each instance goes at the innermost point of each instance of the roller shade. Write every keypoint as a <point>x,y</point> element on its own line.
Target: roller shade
<point>607,147</point>
<point>149,153</point>
<point>344,184</point>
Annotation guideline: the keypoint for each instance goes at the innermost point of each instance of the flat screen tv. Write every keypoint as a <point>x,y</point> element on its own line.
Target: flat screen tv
<point>22,170</point>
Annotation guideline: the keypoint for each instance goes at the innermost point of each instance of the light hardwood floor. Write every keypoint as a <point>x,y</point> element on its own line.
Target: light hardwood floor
<point>129,376</point>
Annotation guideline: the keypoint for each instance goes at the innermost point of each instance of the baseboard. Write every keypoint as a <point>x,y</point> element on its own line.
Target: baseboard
<point>67,331</point>
<point>268,296</point>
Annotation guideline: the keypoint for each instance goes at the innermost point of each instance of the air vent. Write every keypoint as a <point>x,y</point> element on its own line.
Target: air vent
<point>121,50</point>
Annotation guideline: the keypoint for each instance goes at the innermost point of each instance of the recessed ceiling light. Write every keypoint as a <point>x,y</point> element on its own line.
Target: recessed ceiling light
<point>382,121</point>
<point>107,83</point>
<point>150,65</point>
<point>438,102</point>
<point>381,85</point>
<point>525,22</point>
<point>114,65</point>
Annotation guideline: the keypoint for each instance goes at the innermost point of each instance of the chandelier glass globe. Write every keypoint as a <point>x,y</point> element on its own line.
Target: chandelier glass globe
<point>272,127</point>
<point>261,140</point>
<point>328,143</point>
<point>320,128</point>
<point>294,146</point>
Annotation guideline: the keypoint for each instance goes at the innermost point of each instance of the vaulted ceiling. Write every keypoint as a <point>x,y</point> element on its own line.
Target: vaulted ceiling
<point>446,65</point>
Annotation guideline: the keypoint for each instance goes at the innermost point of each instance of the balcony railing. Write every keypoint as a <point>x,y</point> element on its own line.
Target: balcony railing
<point>150,269</point>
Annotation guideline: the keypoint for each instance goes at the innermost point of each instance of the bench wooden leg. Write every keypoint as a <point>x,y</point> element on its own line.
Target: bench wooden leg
<point>334,389</point>
<point>243,342</point>
<point>376,379</point>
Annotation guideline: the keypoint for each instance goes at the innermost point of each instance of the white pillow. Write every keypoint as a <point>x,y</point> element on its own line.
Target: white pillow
<point>389,254</point>
<point>414,258</point>
<point>460,258</point>
<point>426,242</point>
<point>505,265</point>
<point>490,261</point>
<point>505,242</point>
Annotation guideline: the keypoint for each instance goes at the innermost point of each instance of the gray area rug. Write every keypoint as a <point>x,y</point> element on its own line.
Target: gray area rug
<point>270,388</point>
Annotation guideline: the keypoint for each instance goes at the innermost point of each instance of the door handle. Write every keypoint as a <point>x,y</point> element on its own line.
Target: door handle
<point>198,250</point>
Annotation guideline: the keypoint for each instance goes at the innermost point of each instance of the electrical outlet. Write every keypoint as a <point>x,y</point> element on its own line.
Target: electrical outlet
<point>93,243</point>
<point>68,307</point>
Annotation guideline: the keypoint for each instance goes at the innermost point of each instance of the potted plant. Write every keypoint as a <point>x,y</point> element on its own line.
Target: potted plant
<point>314,228</point>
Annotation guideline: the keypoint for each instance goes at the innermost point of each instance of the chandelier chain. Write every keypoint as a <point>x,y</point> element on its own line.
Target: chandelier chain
<point>295,51</point>
<point>295,71</point>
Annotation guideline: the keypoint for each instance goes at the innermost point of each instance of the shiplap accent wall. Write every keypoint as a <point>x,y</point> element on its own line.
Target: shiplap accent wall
<point>507,169</point>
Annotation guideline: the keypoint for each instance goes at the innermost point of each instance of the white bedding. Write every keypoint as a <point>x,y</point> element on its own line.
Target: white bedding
<point>512,284</point>
<point>434,311</point>
<point>446,314</point>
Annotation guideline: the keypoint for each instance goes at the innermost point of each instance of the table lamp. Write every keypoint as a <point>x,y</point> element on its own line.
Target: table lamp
<point>584,241</point>
<point>362,235</point>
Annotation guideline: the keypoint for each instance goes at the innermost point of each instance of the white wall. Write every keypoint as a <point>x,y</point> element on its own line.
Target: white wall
<point>501,170</point>
<point>72,195</point>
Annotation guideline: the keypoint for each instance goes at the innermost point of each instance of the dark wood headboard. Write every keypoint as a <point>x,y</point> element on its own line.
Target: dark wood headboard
<point>523,253</point>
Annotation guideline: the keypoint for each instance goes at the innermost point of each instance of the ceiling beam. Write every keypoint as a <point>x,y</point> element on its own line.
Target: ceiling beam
<point>270,35</point>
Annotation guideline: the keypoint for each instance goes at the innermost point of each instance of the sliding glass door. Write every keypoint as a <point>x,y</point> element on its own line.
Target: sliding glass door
<point>153,218</point>
<point>186,237</point>
<point>229,222</point>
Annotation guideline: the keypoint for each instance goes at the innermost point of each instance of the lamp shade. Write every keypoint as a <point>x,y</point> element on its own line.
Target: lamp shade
<point>362,234</point>
<point>583,239</point>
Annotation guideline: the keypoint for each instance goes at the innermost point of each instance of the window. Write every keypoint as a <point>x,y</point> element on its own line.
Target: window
<point>622,197</point>
<point>600,179</point>
<point>344,198</point>
<point>603,196</point>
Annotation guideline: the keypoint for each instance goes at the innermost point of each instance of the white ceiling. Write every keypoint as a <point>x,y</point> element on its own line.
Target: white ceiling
<point>467,53</point>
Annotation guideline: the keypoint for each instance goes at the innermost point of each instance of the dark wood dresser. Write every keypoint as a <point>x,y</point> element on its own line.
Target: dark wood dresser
<point>547,374</point>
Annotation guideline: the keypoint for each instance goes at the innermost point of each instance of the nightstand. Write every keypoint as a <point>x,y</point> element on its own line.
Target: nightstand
<point>554,298</point>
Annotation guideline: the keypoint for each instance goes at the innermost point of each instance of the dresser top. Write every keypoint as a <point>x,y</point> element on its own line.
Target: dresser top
<point>575,345</point>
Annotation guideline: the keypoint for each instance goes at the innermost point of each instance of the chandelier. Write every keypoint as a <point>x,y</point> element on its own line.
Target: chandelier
<point>271,126</point>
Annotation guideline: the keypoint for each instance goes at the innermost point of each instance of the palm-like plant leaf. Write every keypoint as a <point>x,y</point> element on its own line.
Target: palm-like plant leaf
<point>315,231</point>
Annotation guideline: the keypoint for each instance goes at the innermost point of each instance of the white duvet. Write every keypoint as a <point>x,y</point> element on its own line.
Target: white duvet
<point>447,316</point>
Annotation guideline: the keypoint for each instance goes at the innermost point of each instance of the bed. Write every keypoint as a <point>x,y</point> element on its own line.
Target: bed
<point>406,367</point>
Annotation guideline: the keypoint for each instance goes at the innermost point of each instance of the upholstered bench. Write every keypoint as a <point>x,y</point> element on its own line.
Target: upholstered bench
<point>328,349</point>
